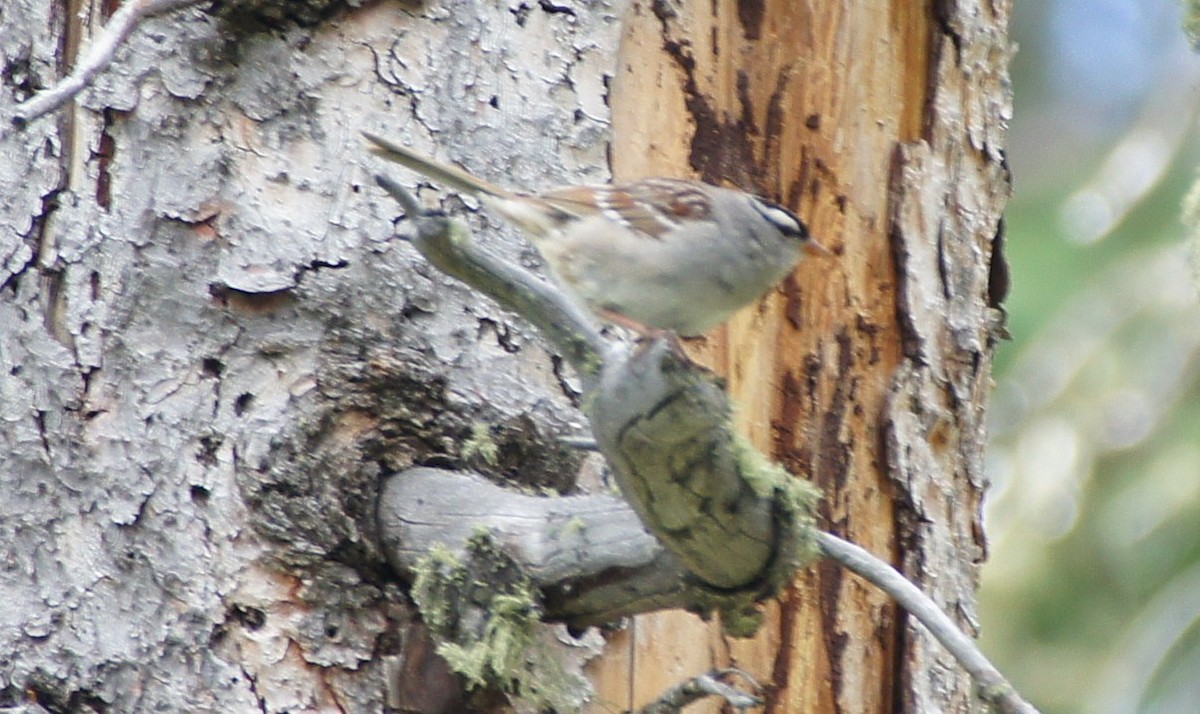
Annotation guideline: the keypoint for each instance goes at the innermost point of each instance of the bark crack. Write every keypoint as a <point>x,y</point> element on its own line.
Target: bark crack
<point>252,683</point>
<point>317,265</point>
<point>105,154</point>
<point>39,418</point>
<point>35,239</point>
<point>565,386</point>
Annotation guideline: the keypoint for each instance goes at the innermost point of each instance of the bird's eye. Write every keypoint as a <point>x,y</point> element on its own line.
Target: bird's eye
<point>787,222</point>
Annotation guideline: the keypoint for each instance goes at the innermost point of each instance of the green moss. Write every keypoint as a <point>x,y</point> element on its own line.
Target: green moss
<point>759,472</point>
<point>798,496</point>
<point>438,574</point>
<point>498,656</point>
<point>485,616</point>
<point>797,499</point>
<point>480,443</point>
<point>741,619</point>
<point>509,656</point>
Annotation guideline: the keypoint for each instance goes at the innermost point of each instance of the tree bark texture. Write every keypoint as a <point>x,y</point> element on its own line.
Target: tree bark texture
<point>211,350</point>
<point>211,347</point>
<point>884,124</point>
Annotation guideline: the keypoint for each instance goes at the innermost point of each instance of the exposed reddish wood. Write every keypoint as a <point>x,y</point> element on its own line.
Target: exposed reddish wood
<point>807,103</point>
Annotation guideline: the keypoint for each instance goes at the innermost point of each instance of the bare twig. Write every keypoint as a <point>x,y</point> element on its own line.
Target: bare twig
<point>992,685</point>
<point>99,55</point>
<point>693,690</point>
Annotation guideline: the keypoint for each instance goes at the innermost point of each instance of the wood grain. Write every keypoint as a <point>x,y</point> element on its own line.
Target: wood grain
<point>811,104</point>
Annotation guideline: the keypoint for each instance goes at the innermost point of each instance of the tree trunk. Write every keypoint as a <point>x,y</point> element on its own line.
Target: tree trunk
<point>211,349</point>
<point>884,126</point>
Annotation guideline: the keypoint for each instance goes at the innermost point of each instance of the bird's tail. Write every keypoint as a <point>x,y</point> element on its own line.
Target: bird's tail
<point>450,175</point>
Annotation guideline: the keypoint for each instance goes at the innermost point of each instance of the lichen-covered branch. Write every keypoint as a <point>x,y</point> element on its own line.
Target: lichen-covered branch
<point>594,563</point>
<point>736,520</point>
<point>590,555</point>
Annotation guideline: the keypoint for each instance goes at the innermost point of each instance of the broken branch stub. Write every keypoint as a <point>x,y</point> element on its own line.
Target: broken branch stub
<point>589,555</point>
<point>736,521</point>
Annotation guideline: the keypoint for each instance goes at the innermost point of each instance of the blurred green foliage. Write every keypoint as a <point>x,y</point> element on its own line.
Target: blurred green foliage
<point>1091,598</point>
<point>1191,22</point>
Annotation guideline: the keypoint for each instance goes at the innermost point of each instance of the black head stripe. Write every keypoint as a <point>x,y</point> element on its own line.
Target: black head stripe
<point>787,222</point>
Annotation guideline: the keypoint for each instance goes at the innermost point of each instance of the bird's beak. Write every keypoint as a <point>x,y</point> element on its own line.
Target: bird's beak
<point>815,249</point>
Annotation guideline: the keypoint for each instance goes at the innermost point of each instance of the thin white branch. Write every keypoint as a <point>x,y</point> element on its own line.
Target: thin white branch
<point>693,690</point>
<point>99,55</point>
<point>992,685</point>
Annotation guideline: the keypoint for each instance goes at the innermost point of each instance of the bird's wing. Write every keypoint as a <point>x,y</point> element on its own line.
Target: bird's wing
<point>653,207</point>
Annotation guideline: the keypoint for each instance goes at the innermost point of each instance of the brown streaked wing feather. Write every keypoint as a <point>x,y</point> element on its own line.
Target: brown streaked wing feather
<point>579,201</point>
<point>651,206</point>
<point>681,200</point>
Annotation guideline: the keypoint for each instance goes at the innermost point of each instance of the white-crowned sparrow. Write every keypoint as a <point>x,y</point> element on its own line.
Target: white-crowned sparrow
<point>659,253</point>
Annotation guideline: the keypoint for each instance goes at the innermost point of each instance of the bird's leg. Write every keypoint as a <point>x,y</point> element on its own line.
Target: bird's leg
<point>646,334</point>
<point>642,330</point>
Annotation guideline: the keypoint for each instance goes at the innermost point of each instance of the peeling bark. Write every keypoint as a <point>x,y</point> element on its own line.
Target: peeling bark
<point>211,349</point>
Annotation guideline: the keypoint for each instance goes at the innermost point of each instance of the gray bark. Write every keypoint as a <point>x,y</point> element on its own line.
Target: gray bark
<point>934,426</point>
<point>210,349</point>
